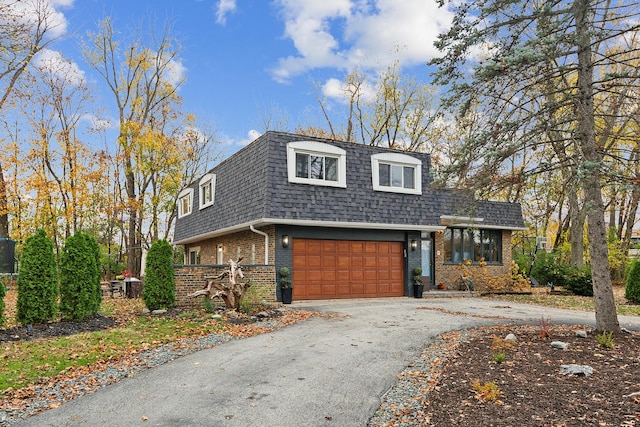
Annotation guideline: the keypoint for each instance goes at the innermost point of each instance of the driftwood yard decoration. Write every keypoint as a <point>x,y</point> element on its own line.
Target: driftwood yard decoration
<point>231,293</point>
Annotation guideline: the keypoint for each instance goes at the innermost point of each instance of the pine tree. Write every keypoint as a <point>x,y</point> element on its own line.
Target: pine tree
<point>37,281</point>
<point>94,250</point>
<point>531,71</point>
<point>159,289</point>
<point>632,288</point>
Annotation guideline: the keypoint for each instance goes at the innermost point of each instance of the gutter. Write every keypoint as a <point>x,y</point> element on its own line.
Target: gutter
<point>266,243</point>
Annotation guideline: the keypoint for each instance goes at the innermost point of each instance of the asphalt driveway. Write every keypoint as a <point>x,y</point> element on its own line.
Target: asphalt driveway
<point>321,372</point>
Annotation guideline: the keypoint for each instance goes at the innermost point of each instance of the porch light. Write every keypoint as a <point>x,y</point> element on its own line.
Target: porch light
<point>414,244</point>
<point>285,241</point>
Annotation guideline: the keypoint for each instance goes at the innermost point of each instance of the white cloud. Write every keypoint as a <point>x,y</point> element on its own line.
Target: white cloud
<point>62,3</point>
<point>252,135</point>
<point>358,33</point>
<point>98,124</point>
<point>25,11</point>
<point>57,66</point>
<point>176,72</point>
<point>337,89</point>
<point>224,8</point>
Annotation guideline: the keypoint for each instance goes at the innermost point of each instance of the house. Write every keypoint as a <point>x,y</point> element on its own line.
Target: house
<point>348,220</point>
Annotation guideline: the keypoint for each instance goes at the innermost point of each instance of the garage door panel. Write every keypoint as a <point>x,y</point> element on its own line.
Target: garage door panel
<point>371,261</point>
<point>357,275</point>
<point>343,261</point>
<point>344,290</point>
<point>329,262</point>
<point>313,261</point>
<point>343,247</point>
<point>356,247</point>
<point>329,275</point>
<point>357,288</point>
<point>324,269</point>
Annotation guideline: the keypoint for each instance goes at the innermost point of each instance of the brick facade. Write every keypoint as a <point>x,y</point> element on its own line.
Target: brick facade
<point>448,274</point>
<point>245,244</point>
<point>191,278</point>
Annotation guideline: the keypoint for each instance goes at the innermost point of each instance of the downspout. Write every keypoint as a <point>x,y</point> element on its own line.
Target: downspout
<point>266,243</point>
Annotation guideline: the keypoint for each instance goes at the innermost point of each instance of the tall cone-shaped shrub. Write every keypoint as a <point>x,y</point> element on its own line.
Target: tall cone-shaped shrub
<point>3,292</point>
<point>94,250</point>
<point>78,289</point>
<point>37,281</point>
<point>159,290</point>
<point>632,288</point>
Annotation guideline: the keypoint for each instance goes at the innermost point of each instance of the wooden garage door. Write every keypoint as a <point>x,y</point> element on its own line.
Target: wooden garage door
<point>324,269</point>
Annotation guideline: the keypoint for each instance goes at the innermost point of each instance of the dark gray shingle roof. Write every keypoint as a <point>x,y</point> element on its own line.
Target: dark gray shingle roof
<point>252,185</point>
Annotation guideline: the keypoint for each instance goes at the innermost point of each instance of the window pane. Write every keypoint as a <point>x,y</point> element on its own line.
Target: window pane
<point>477,245</point>
<point>467,242</point>
<point>331,165</point>
<point>447,245</point>
<point>317,167</point>
<point>206,192</point>
<point>409,177</point>
<point>396,176</point>
<point>185,203</point>
<point>491,245</point>
<point>302,165</point>
<point>457,245</point>
<point>384,173</point>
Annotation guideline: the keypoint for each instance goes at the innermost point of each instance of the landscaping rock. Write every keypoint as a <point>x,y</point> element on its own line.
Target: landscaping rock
<point>579,370</point>
<point>511,337</point>
<point>158,311</point>
<point>559,345</point>
<point>581,334</point>
<point>216,316</point>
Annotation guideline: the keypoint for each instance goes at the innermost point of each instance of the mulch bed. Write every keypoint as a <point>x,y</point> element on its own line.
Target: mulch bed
<point>533,392</point>
<point>56,329</point>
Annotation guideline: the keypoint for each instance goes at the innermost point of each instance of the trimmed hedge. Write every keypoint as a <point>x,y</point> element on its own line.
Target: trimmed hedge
<point>632,287</point>
<point>547,269</point>
<point>159,290</point>
<point>37,281</point>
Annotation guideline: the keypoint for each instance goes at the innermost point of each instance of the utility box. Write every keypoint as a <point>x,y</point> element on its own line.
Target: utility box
<point>7,256</point>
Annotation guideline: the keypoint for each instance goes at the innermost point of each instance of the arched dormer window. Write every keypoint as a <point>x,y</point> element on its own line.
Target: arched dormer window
<point>316,163</point>
<point>396,173</point>
<point>207,190</point>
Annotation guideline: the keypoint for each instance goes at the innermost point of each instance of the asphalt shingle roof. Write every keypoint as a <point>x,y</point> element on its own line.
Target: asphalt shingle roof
<point>252,185</point>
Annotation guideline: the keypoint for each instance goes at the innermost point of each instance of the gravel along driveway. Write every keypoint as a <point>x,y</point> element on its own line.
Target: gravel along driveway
<point>321,372</point>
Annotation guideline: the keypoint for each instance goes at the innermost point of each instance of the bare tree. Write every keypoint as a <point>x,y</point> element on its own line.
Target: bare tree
<point>26,27</point>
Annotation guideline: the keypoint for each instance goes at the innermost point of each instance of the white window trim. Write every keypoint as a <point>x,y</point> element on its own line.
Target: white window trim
<point>318,149</point>
<point>220,254</point>
<point>400,160</point>
<point>209,178</point>
<point>187,255</point>
<point>187,192</point>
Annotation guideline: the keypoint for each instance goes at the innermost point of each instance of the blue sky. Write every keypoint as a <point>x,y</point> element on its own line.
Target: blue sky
<point>245,59</point>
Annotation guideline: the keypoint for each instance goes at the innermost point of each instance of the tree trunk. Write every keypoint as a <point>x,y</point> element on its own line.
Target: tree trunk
<point>576,235</point>
<point>133,243</point>
<point>606,316</point>
<point>4,208</point>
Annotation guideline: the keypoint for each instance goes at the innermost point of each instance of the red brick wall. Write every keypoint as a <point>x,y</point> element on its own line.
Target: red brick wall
<point>191,278</point>
<point>241,243</point>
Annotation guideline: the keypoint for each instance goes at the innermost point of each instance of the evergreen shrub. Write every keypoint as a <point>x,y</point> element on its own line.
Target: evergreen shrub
<point>37,281</point>
<point>159,290</point>
<point>78,266</point>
